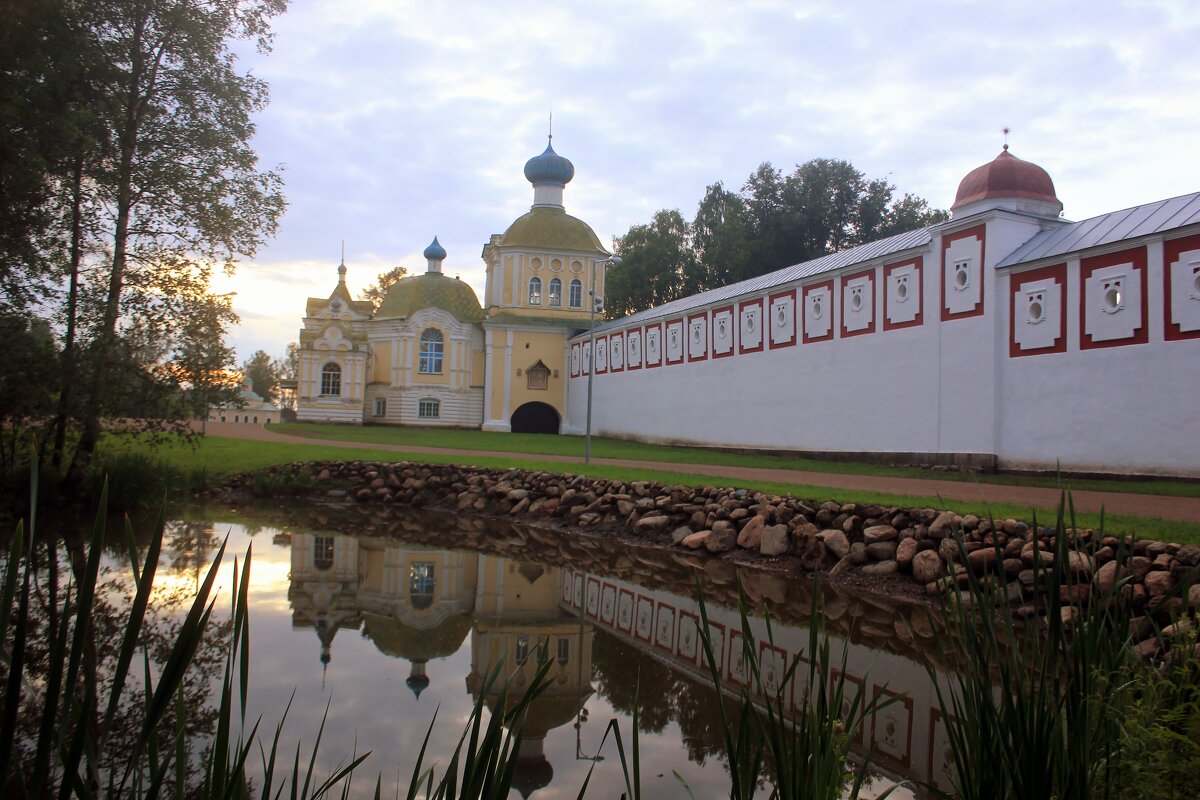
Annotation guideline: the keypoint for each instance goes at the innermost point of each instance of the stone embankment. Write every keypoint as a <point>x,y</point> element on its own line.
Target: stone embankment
<point>938,550</point>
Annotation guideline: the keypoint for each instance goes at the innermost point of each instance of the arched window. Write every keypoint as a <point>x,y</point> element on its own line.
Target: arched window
<point>535,291</point>
<point>555,295</point>
<point>331,380</point>
<point>432,346</point>
<point>576,297</point>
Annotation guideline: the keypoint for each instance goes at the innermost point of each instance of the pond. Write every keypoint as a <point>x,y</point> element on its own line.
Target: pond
<point>383,618</point>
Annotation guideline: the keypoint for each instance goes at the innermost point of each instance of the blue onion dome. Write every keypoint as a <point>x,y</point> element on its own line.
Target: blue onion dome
<point>549,167</point>
<point>435,252</point>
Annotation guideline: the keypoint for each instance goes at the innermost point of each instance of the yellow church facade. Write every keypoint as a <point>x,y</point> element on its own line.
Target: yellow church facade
<point>432,354</point>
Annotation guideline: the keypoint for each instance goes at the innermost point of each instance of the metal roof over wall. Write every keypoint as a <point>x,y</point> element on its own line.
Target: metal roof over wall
<point>807,269</point>
<point>1129,223</point>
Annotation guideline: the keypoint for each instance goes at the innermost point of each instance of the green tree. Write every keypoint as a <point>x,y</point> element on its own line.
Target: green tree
<point>202,361</point>
<point>263,373</point>
<point>379,289</point>
<point>657,264</point>
<point>182,186</point>
<point>722,238</point>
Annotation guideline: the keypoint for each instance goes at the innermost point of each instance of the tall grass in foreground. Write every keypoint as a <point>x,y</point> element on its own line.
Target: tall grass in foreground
<point>82,746</point>
<point>1051,710</point>
<point>804,754</point>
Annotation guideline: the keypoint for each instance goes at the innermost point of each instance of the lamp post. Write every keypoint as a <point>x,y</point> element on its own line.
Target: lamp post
<point>591,361</point>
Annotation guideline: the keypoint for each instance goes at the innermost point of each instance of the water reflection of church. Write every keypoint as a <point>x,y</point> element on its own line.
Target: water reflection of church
<point>419,604</point>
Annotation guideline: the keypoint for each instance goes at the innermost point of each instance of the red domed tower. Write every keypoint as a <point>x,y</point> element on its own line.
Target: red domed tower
<point>1010,183</point>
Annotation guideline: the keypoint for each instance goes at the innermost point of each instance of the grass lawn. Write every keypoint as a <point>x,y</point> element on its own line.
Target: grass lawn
<point>221,457</point>
<point>619,448</point>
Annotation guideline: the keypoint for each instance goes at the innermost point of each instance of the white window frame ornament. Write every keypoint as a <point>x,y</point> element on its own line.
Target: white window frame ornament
<point>962,268</point>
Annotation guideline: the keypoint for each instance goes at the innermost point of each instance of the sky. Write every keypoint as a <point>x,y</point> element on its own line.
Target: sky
<point>395,121</point>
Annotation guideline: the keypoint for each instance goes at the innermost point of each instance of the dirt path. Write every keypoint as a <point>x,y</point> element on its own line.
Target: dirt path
<point>1186,509</point>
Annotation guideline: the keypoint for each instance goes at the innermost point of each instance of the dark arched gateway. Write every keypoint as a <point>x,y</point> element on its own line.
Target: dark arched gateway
<point>535,418</point>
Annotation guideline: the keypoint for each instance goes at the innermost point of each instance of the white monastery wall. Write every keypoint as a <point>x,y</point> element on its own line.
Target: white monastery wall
<point>1104,386</point>
<point>931,352</point>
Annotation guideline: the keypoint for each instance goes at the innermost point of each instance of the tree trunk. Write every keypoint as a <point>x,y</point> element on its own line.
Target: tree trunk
<point>67,386</point>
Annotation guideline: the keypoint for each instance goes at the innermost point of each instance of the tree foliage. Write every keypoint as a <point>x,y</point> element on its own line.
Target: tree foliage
<point>264,374</point>
<point>126,178</point>
<point>823,206</point>
<point>379,289</point>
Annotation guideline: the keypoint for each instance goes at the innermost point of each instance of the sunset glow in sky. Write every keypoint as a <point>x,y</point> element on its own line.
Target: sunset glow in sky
<point>395,121</point>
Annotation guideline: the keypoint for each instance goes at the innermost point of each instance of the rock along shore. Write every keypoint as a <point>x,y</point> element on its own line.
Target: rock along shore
<point>888,546</point>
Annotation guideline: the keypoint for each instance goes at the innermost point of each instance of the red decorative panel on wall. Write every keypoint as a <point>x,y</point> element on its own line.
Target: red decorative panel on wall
<point>781,309</point>
<point>817,312</point>
<point>652,345</point>
<point>750,314</point>
<point>963,281</point>
<point>675,341</point>
<point>1181,288</point>
<point>903,294</point>
<point>600,355</point>
<point>723,337</point>
<point>1037,311</point>
<point>697,337</point>
<point>1113,306</point>
<point>858,303</point>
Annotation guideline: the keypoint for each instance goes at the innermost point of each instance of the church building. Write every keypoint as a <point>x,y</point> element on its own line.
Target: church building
<point>431,354</point>
<point>1006,337</point>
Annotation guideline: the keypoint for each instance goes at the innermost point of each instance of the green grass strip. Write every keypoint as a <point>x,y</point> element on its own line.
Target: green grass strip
<point>536,444</point>
<point>220,457</point>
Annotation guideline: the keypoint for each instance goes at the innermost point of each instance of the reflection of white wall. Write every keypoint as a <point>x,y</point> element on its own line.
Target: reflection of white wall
<point>1037,314</point>
<point>722,332</point>
<point>783,320</point>
<point>856,304</point>
<point>903,295</point>
<point>750,326</point>
<point>633,348</point>
<point>818,312</point>
<point>616,347</point>
<point>1112,303</point>
<point>963,274</point>
<point>697,337</point>
<point>675,340</point>
<point>1185,291</point>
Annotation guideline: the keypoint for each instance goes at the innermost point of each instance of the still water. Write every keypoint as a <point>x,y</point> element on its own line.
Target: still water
<point>386,618</point>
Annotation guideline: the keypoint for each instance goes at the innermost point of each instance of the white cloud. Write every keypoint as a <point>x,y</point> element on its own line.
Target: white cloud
<point>399,120</point>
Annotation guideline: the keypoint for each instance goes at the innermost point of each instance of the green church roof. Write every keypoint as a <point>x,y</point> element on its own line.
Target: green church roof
<point>431,290</point>
<point>552,229</point>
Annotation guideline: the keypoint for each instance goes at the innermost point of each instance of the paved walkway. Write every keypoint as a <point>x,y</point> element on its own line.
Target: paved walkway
<point>1143,505</point>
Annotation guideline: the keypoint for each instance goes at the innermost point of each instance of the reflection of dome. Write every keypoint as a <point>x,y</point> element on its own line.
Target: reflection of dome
<point>549,167</point>
<point>1007,177</point>
<point>532,775</point>
<point>551,227</point>
<point>435,251</point>
<point>431,290</point>
<point>393,638</point>
<point>417,680</point>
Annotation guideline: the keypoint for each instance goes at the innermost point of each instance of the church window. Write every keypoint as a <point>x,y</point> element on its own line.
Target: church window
<point>555,294</point>
<point>421,584</point>
<point>428,409</point>
<point>381,406</point>
<point>575,299</point>
<point>535,291</point>
<point>432,345</point>
<point>331,380</point>
<point>564,649</point>
<point>537,376</point>
<point>323,552</point>
<point>522,654</point>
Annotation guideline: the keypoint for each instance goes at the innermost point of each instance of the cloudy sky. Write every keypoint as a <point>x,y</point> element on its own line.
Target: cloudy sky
<point>395,120</point>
